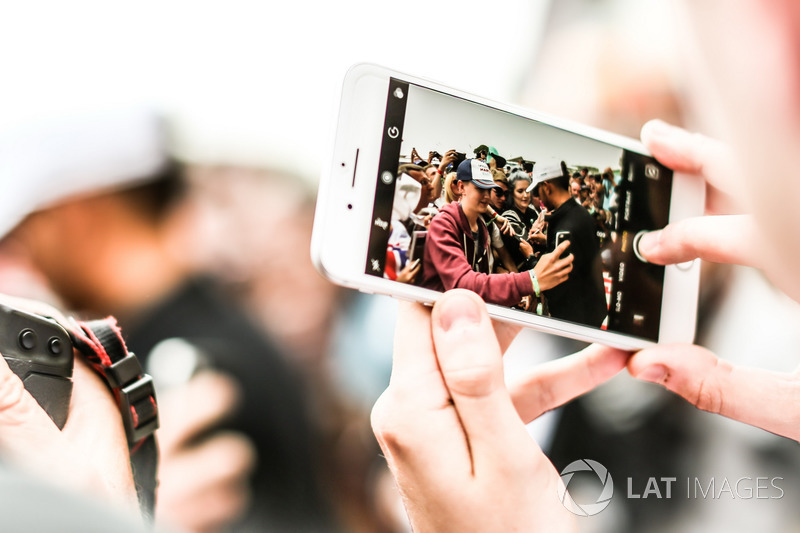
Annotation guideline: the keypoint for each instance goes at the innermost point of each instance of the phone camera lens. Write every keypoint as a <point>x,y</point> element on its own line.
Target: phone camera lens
<point>27,339</point>
<point>349,206</point>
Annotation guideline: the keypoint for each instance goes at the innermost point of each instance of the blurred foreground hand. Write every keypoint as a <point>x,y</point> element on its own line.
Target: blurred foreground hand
<point>204,473</point>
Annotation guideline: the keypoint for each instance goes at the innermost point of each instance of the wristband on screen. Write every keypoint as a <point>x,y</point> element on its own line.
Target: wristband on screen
<point>535,283</point>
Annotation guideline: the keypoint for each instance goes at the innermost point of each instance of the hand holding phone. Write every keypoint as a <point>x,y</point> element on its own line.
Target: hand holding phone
<point>483,423</point>
<point>409,272</point>
<point>525,247</point>
<point>554,268</point>
<point>538,226</point>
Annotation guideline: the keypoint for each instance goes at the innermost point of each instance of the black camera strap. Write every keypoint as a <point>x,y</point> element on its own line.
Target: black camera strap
<point>101,343</point>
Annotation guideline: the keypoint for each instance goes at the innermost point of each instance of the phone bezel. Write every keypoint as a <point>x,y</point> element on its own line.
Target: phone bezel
<point>347,187</point>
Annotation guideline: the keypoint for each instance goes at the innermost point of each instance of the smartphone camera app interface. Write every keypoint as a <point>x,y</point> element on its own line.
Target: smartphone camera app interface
<point>470,196</point>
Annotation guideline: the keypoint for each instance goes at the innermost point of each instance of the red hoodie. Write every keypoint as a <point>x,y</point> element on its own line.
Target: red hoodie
<point>446,266</point>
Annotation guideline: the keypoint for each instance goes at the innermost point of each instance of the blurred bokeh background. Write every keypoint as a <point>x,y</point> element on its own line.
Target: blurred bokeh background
<point>249,90</point>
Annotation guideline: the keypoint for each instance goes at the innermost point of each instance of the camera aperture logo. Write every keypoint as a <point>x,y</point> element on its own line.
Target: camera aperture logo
<point>590,509</point>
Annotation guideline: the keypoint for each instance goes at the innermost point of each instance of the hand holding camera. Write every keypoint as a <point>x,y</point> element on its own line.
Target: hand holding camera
<point>90,453</point>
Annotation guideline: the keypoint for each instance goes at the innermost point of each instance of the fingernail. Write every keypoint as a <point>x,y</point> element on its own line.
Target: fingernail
<point>660,128</point>
<point>654,374</point>
<point>458,312</point>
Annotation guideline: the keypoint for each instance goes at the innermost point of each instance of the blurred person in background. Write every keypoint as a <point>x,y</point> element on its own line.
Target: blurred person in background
<point>417,172</point>
<point>398,267</point>
<point>503,262</point>
<point>434,175</point>
<point>106,243</point>
<point>495,160</point>
<point>447,162</point>
<point>575,186</point>
<point>523,219</point>
<point>500,191</point>
<point>450,193</point>
<point>336,336</point>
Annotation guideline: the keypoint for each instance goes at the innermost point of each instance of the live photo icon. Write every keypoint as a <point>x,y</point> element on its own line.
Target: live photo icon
<point>651,171</point>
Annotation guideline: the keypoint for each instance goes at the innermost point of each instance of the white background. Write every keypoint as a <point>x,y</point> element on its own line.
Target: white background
<point>245,81</point>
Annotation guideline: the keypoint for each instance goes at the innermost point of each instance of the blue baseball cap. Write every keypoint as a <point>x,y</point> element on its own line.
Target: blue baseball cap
<point>477,172</point>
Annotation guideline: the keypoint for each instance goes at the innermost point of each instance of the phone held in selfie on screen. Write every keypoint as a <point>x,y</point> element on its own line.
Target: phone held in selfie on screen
<point>376,226</point>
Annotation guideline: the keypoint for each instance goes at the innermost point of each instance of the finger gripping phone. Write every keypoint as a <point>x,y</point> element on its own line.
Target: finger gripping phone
<point>611,296</point>
<point>39,351</point>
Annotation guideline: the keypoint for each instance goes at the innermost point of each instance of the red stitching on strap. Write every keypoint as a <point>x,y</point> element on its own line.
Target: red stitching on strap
<point>96,345</point>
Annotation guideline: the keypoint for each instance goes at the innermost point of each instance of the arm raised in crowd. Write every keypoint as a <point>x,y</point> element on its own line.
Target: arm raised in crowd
<point>445,253</point>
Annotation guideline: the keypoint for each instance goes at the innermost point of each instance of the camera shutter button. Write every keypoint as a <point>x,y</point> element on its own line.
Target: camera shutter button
<point>27,339</point>
<point>55,346</point>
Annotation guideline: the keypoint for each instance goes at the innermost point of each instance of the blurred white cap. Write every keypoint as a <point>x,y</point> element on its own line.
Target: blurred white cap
<point>407,191</point>
<point>47,161</point>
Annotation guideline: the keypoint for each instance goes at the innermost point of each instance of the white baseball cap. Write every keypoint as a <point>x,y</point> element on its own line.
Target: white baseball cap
<point>545,172</point>
<point>47,161</point>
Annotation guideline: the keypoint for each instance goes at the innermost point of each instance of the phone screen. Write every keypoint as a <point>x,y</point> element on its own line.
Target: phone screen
<point>608,288</point>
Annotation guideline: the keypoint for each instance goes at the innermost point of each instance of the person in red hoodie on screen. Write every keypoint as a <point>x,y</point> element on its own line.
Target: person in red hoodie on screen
<point>457,249</point>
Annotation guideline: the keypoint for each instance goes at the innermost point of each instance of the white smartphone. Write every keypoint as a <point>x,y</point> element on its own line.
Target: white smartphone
<point>359,242</point>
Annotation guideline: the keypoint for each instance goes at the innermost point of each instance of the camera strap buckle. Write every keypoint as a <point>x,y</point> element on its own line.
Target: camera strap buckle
<point>101,342</point>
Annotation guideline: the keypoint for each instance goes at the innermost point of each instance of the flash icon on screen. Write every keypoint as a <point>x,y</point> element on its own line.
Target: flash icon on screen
<point>398,93</point>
